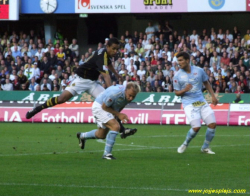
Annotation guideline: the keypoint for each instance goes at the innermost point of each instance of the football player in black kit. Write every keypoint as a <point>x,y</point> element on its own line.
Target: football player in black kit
<point>86,80</point>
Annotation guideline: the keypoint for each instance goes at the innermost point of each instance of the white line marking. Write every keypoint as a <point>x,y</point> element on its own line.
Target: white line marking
<point>128,149</point>
<point>98,187</point>
<point>103,141</point>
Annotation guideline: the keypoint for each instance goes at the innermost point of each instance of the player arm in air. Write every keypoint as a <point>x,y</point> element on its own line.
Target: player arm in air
<point>111,68</point>
<point>211,91</point>
<point>106,78</point>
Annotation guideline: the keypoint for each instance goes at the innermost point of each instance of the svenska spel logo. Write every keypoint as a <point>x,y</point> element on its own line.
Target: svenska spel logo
<point>84,4</point>
<point>216,4</point>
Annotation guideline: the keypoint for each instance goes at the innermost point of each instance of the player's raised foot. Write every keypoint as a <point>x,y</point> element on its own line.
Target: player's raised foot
<point>81,141</point>
<point>207,151</point>
<point>108,157</point>
<point>127,132</point>
<point>182,148</point>
<point>32,113</point>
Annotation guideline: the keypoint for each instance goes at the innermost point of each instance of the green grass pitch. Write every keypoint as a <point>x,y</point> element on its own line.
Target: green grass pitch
<point>45,160</point>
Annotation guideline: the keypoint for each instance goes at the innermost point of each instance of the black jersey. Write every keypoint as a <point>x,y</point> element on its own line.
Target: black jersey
<point>97,63</point>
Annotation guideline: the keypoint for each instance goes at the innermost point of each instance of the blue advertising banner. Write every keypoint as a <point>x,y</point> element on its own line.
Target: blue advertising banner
<point>37,6</point>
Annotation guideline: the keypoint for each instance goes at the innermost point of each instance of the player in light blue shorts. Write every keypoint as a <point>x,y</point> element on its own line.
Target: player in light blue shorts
<point>106,107</point>
<point>188,83</point>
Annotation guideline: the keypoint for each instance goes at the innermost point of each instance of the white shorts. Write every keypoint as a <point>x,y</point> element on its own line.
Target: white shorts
<point>195,114</point>
<point>101,115</point>
<point>79,85</point>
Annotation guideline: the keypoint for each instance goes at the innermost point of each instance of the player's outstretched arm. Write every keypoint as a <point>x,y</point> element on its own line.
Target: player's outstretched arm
<point>111,68</point>
<point>106,78</point>
<point>211,91</point>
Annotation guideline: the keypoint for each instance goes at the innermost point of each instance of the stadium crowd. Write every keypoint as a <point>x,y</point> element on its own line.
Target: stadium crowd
<point>28,63</point>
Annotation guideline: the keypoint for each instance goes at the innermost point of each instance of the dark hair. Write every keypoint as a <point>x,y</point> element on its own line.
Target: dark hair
<point>184,55</point>
<point>113,40</point>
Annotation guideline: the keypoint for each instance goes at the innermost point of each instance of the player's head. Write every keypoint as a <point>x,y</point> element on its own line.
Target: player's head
<point>183,59</point>
<point>131,91</point>
<point>112,46</point>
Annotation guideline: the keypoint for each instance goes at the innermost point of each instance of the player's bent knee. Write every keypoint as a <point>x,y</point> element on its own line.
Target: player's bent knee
<point>212,125</point>
<point>196,129</point>
<point>113,125</point>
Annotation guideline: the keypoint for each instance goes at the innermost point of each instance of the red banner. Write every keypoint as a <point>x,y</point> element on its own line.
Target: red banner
<point>139,116</point>
<point>4,11</point>
<point>239,118</point>
<point>80,112</point>
<point>248,5</point>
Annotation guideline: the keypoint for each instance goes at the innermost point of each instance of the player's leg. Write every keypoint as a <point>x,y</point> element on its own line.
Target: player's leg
<point>193,115</point>
<point>99,133</point>
<point>76,86</point>
<point>65,96</point>
<point>125,132</point>
<point>209,118</point>
<point>114,128</point>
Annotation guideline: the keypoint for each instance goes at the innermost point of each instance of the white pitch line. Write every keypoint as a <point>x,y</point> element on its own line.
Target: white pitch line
<point>99,187</point>
<point>128,149</point>
<point>103,141</point>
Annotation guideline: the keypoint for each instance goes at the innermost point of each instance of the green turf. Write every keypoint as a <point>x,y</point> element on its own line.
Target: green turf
<point>45,160</point>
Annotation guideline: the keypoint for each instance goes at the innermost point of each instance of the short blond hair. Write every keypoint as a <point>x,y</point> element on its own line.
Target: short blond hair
<point>134,85</point>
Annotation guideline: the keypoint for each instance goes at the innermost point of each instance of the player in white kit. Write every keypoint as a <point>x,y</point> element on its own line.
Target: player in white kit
<point>188,83</point>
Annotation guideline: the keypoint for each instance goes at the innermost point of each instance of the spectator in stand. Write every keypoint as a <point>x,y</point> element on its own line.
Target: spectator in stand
<point>45,65</point>
<point>126,59</point>
<point>45,77</point>
<point>150,30</point>
<point>235,59</point>
<point>224,59</point>
<point>74,48</point>
<point>55,85</point>
<point>16,53</point>
<point>239,90</point>
<point>16,83</point>
<point>168,29</point>
<point>141,72</point>
<point>81,62</point>
<point>60,57</point>
<point>151,77</point>
<point>8,86</point>
<point>29,72</point>
<point>215,59</point>
<point>23,87</point>
<point>45,85</point>
<point>22,78</point>
<point>32,84</point>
